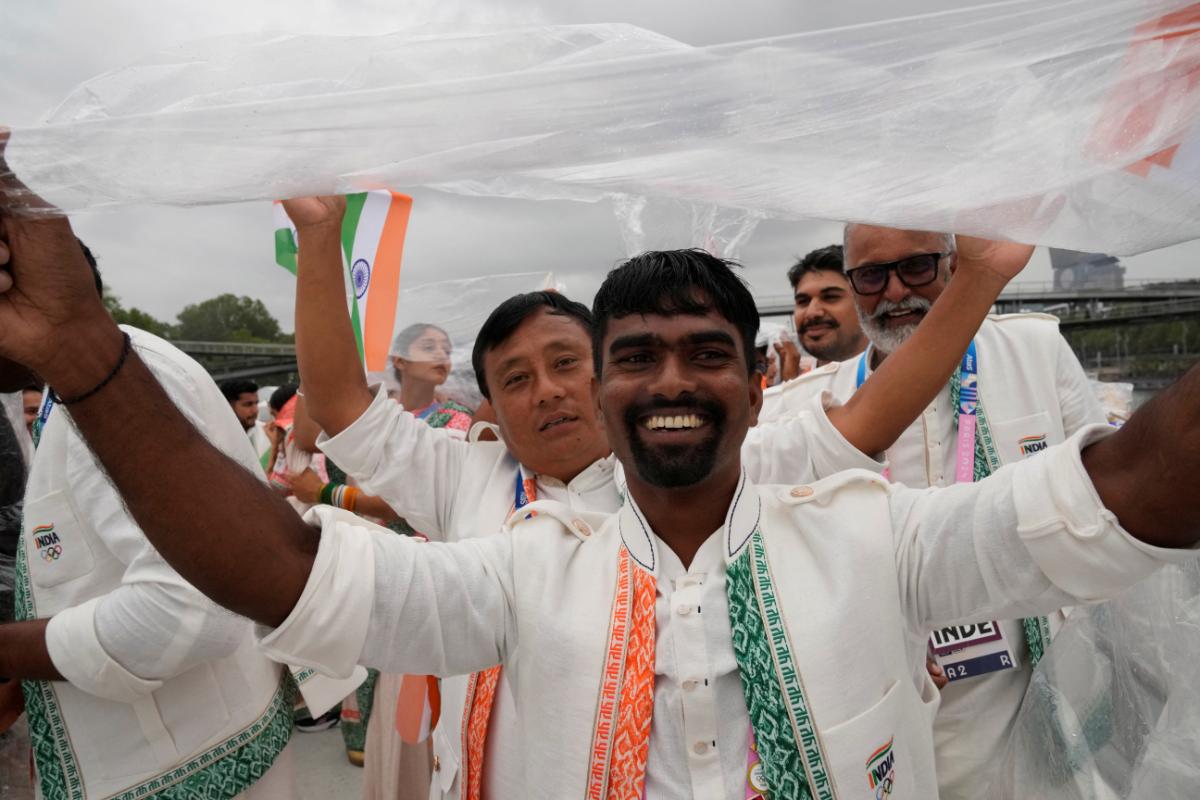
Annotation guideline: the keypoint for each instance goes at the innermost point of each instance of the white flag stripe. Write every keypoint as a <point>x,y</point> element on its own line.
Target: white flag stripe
<point>366,242</point>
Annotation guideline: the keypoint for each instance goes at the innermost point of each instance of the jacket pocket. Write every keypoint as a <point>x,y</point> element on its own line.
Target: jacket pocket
<point>1023,437</point>
<point>56,542</point>
<point>870,756</point>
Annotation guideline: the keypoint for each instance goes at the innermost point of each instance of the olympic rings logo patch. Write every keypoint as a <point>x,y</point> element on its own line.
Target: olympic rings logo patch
<point>47,542</point>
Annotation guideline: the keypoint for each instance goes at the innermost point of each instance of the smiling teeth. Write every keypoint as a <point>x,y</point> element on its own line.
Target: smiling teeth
<point>673,423</point>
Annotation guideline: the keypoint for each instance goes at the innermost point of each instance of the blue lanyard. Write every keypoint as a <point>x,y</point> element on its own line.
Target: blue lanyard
<point>968,382</point>
<point>968,378</point>
<point>520,498</point>
<point>42,417</point>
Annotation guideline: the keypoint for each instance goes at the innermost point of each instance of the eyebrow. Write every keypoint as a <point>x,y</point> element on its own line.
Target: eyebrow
<point>555,344</point>
<point>654,340</point>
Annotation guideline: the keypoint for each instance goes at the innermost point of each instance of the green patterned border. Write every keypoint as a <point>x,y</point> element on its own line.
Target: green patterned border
<point>220,773</point>
<point>771,680</point>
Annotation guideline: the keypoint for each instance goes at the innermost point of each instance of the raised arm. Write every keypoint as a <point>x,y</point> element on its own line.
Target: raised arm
<point>1148,473</point>
<point>52,321</point>
<point>910,378</point>
<point>335,386</point>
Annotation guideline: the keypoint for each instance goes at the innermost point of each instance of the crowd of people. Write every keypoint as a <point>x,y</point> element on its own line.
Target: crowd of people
<point>639,568</point>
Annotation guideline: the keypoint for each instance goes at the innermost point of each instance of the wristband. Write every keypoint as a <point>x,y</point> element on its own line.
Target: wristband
<point>325,496</point>
<point>126,346</point>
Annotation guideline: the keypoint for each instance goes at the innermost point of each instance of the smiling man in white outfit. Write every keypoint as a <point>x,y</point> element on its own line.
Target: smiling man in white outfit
<point>533,358</point>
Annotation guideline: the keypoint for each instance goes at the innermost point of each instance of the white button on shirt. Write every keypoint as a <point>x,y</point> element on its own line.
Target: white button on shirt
<point>700,736</point>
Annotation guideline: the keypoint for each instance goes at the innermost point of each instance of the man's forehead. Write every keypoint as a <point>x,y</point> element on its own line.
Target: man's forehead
<point>667,327</point>
<point>538,332</point>
<point>868,244</point>
<point>814,282</point>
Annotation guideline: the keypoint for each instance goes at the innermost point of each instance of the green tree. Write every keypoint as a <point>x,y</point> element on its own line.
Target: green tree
<point>135,316</point>
<point>227,318</point>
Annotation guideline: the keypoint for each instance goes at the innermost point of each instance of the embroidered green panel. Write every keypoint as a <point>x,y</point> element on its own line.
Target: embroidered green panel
<point>791,754</point>
<point>217,774</point>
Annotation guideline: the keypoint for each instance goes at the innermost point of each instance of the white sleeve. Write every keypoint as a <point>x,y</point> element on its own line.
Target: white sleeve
<point>395,456</point>
<point>154,625</point>
<point>801,448</point>
<point>1032,538</point>
<point>1077,401</point>
<point>398,604</point>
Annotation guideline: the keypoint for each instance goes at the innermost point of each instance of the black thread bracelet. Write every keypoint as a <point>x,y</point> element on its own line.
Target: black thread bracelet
<point>126,346</point>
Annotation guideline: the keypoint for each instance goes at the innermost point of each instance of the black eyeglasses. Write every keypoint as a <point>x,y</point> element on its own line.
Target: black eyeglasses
<point>914,271</point>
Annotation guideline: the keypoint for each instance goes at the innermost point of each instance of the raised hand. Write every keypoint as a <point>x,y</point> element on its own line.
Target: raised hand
<point>1005,259</point>
<point>317,211</point>
<point>52,319</point>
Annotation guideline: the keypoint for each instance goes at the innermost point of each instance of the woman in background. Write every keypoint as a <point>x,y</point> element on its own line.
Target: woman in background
<point>397,770</point>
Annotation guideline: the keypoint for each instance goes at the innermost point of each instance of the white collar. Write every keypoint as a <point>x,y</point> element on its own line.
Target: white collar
<point>741,520</point>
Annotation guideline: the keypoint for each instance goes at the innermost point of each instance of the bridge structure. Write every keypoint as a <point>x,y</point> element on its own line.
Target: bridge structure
<point>230,360</point>
<point>1138,303</point>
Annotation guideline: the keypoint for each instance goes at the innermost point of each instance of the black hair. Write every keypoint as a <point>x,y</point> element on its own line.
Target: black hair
<point>672,282</point>
<point>91,260</point>
<point>823,259</point>
<point>509,315</point>
<point>280,396</point>
<point>235,388</point>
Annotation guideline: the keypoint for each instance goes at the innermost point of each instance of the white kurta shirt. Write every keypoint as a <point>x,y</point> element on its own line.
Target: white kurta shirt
<point>450,490</point>
<point>1030,385</point>
<point>870,570</point>
<point>157,673</point>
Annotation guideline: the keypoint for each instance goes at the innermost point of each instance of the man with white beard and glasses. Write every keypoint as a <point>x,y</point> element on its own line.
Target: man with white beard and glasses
<point>1019,391</point>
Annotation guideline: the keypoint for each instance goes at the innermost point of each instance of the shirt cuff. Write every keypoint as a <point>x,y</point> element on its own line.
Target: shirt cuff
<point>1075,540</point>
<point>832,452</point>
<point>327,629</point>
<point>79,657</point>
<point>356,449</point>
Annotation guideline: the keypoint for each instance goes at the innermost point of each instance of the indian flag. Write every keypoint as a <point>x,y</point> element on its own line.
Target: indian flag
<point>373,232</point>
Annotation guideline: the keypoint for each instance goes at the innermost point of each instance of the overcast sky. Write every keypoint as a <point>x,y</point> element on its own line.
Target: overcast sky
<point>160,259</point>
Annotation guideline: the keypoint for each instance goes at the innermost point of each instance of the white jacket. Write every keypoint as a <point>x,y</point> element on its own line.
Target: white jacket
<point>450,490</point>
<point>863,571</point>
<point>204,705</point>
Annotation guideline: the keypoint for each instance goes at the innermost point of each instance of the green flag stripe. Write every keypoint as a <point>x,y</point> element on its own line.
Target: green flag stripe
<point>354,208</point>
<point>285,249</point>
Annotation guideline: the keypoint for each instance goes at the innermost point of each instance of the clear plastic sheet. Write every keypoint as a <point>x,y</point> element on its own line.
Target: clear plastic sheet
<point>1113,710</point>
<point>1065,123</point>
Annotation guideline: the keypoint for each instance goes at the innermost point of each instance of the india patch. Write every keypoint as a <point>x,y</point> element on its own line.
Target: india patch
<point>881,770</point>
<point>1032,444</point>
<point>47,542</point>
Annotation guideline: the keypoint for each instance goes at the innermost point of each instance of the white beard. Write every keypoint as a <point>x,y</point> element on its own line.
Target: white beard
<point>886,339</point>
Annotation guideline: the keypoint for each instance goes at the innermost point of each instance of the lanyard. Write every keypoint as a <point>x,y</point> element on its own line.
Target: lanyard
<point>525,492</point>
<point>42,417</point>
<point>968,403</point>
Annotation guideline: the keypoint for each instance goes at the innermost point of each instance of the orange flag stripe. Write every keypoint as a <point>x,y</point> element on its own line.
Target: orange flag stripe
<point>385,284</point>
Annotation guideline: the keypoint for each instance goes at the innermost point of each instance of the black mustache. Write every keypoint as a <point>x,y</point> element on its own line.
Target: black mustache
<point>822,321</point>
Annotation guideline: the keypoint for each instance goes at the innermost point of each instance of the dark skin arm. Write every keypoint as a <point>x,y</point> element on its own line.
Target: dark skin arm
<point>1148,473</point>
<point>23,652</point>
